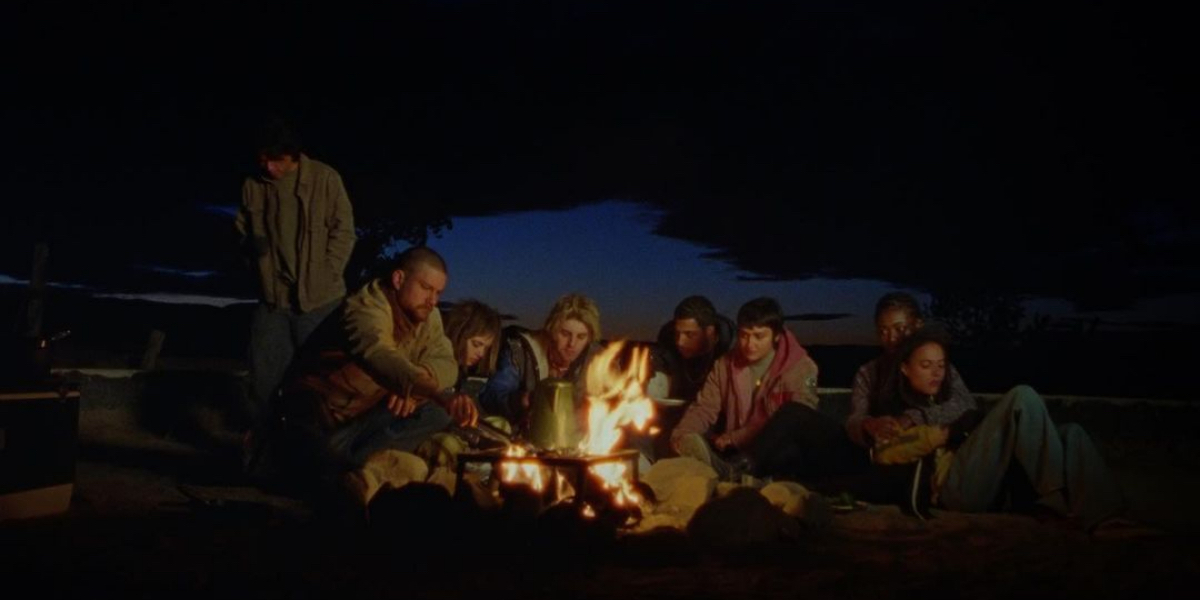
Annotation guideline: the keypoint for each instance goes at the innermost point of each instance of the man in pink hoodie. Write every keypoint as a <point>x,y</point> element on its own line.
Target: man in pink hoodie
<point>766,370</point>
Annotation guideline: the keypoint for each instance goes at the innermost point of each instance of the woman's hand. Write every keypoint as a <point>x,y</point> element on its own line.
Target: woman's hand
<point>462,410</point>
<point>882,429</point>
<point>939,436</point>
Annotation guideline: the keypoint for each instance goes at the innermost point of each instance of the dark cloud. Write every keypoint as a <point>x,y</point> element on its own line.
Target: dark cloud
<point>936,144</point>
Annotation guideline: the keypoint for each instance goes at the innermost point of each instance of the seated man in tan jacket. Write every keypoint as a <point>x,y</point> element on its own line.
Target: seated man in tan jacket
<point>376,375</point>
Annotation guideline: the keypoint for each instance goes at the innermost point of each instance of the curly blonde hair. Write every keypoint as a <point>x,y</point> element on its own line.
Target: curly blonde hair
<point>578,307</point>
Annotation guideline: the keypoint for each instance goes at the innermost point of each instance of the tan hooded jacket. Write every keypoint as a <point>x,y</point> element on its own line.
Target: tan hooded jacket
<point>367,350</point>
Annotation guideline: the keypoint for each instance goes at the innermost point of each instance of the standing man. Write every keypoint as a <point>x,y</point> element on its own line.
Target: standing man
<point>296,230</point>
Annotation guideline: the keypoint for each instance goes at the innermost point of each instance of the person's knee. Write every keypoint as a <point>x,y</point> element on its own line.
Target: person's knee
<point>691,444</point>
<point>1073,434</point>
<point>442,450</point>
<point>1024,398</point>
<point>795,410</point>
<point>433,416</point>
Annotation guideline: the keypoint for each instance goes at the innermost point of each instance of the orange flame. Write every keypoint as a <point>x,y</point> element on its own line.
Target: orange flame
<point>616,399</point>
<point>521,472</point>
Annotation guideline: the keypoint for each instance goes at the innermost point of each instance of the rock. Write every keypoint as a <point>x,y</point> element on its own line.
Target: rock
<point>797,501</point>
<point>444,477</point>
<point>789,496</point>
<point>417,510</point>
<point>391,468</point>
<point>679,486</point>
<point>724,488</point>
<point>664,475</point>
<point>663,520</point>
<point>742,518</point>
<point>689,492</point>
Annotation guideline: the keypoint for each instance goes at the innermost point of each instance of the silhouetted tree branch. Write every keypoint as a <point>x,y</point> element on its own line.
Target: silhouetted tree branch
<point>378,241</point>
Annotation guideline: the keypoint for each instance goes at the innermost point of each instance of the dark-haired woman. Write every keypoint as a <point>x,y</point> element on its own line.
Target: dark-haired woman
<point>474,330</point>
<point>897,316</point>
<point>976,457</point>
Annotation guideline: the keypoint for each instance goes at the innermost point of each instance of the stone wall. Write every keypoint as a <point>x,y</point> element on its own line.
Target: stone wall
<point>1124,429</point>
<point>207,407</point>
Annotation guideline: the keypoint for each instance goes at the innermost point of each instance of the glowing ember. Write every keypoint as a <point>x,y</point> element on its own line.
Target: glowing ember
<point>563,489</point>
<point>520,471</point>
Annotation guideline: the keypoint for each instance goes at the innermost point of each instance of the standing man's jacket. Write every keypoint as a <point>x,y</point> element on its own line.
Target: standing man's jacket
<point>326,237</point>
<point>791,377</point>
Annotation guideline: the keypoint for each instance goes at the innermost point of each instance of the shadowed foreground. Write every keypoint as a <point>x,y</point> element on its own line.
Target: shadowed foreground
<point>130,532</point>
<point>131,529</point>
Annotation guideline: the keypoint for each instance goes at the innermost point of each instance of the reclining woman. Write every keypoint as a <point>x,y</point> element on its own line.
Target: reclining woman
<point>974,458</point>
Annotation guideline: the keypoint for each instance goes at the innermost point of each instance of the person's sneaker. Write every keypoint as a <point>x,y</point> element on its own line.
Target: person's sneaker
<point>742,465</point>
<point>743,470</point>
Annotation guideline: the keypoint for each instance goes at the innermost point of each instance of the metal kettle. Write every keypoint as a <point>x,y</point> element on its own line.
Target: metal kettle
<point>553,423</point>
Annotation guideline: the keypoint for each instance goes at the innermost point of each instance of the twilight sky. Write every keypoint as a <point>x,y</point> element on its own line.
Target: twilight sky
<point>845,147</point>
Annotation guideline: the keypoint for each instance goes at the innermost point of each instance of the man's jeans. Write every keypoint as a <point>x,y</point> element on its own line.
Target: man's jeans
<point>804,444</point>
<point>378,429</point>
<point>275,336</point>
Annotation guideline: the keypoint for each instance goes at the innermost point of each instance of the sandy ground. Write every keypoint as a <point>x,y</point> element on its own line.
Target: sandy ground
<point>130,530</point>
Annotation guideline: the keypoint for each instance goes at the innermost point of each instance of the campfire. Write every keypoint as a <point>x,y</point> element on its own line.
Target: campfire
<point>595,475</point>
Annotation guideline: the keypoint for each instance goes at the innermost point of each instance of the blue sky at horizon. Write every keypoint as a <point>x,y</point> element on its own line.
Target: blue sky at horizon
<point>521,262</point>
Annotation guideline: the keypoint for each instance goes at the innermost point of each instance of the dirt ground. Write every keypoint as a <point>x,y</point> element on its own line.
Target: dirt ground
<point>131,531</point>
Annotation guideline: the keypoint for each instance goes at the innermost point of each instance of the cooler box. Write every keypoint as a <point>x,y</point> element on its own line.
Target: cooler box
<point>39,433</point>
